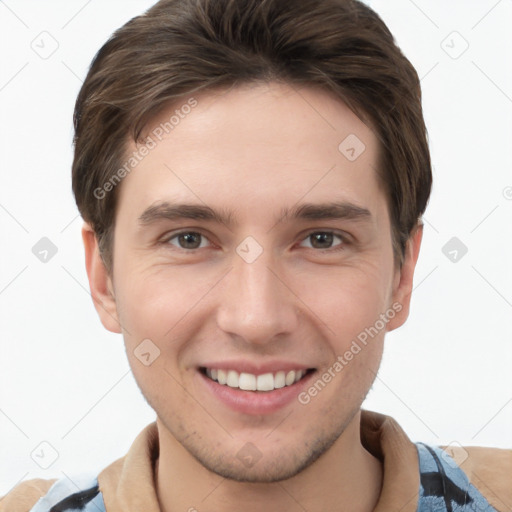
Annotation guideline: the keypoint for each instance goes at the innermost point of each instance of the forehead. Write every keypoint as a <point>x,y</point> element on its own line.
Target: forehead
<point>257,145</point>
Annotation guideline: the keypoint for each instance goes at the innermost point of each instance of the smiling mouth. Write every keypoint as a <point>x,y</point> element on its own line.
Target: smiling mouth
<point>250,382</point>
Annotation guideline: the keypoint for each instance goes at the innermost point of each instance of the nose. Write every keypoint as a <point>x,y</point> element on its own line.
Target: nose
<point>256,304</point>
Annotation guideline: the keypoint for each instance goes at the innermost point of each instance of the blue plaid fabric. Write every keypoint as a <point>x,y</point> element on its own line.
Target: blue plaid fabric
<point>444,487</point>
<point>80,494</point>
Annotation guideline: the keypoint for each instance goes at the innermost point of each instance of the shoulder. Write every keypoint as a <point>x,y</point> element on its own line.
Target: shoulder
<point>467,473</point>
<point>490,471</point>
<point>25,495</point>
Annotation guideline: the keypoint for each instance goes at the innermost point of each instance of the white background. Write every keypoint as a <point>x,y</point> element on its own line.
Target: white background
<point>446,375</point>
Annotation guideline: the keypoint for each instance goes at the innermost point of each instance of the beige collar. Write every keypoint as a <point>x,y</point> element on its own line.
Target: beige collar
<point>128,485</point>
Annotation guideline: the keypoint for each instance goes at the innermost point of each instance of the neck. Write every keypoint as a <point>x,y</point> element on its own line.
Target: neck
<point>345,478</point>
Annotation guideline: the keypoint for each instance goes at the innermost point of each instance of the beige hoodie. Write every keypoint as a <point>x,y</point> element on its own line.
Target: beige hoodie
<point>128,484</point>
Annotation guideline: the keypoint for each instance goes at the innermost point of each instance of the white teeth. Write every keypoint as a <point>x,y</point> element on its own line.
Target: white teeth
<point>290,378</point>
<point>265,382</point>
<point>250,382</point>
<point>279,380</point>
<point>247,382</point>
<point>222,376</point>
<point>232,381</point>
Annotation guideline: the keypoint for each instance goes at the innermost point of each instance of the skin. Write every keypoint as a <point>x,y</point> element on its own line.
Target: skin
<point>254,150</point>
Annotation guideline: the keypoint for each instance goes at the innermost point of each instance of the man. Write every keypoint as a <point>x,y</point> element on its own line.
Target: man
<point>252,176</point>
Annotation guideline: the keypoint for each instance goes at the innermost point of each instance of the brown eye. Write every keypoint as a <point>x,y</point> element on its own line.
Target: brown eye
<point>188,240</point>
<point>323,240</point>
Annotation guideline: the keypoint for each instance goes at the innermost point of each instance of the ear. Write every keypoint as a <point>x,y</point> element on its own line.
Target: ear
<point>403,281</point>
<point>100,283</point>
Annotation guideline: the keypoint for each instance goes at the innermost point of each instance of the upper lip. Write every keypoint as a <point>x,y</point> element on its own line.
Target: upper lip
<point>242,366</point>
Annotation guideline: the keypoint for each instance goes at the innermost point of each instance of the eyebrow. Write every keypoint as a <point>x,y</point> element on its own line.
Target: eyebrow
<point>327,211</point>
<point>307,211</point>
<point>171,211</point>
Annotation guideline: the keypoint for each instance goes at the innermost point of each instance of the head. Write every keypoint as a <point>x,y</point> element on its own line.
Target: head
<point>294,133</point>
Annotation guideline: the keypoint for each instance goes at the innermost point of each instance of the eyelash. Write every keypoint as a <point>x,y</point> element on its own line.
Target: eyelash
<point>341,246</point>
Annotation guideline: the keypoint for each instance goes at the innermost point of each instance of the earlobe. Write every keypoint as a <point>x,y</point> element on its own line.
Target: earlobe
<point>404,279</point>
<point>100,282</point>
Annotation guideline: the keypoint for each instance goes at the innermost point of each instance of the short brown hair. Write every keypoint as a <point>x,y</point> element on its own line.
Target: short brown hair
<point>179,47</point>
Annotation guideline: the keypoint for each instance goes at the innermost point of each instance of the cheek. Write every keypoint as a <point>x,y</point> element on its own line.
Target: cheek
<point>346,300</point>
<point>155,302</point>
<point>153,313</point>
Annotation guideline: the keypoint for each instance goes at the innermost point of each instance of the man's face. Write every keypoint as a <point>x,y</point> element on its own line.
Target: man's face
<point>281,281</point>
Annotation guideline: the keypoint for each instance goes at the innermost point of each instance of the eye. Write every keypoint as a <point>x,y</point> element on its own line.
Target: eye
<point>323,240</point>
<point>188,240</point>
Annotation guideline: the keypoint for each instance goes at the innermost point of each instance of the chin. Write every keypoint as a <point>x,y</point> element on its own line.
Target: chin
<point>281,467</point>
<point>250,465</point>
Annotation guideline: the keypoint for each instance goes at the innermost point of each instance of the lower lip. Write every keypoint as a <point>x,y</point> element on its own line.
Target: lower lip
<point>256,402</point>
